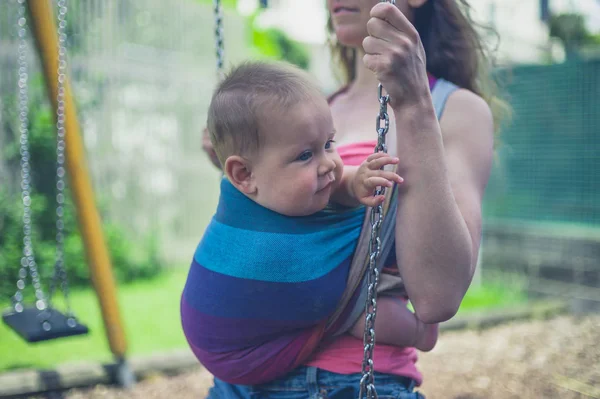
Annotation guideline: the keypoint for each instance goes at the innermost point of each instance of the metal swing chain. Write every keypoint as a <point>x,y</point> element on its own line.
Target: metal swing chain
<point>219,38</point>
<point>60,272</point>
<point>28,260</point>
<point>367,381</point>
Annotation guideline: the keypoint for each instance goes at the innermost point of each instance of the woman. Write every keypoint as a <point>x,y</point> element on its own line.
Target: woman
<point>409,48</point>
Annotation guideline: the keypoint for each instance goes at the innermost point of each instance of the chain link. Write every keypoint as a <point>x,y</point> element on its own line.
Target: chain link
<point>219,45</point>
<point>367,381</point>
<point>60,273</point>
<point>28,263</point>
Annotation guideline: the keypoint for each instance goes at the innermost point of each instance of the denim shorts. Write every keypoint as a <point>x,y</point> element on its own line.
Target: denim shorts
<point>313,383</point>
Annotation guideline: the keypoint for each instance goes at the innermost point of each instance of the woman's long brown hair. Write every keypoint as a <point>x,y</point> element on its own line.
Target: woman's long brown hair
<point>454,50</point>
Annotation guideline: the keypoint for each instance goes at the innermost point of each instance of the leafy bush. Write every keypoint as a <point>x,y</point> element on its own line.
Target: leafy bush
<point>274,43</point>
<point>271,42</point>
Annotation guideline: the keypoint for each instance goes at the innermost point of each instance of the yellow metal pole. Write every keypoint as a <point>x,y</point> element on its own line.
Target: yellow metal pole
<point>45,33</point>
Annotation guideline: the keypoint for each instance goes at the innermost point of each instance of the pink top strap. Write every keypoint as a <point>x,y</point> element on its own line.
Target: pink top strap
<point>343,355</point>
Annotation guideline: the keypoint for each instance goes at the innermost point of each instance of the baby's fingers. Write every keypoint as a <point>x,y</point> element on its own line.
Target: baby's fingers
<point>387,175</point>
<point>376,181</point>
<point>373,201</point>
<point>379,162</point>
<point>377,155</point>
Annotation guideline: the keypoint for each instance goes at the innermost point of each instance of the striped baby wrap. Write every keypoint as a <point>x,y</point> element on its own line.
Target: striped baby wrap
<point>262,286</point>
<point>264,289</point>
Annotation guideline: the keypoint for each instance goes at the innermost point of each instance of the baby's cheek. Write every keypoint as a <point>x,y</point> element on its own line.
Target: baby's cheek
<point>304,186</point>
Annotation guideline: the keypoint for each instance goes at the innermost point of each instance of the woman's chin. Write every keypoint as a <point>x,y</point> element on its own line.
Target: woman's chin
<point>349,36</point>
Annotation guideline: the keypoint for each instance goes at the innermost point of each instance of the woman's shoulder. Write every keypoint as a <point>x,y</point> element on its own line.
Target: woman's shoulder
<point>465,107</point>
<point>468,129</point>
<point>464,98</point>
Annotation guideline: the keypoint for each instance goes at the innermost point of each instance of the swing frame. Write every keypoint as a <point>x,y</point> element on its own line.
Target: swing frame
<point>43,28</point>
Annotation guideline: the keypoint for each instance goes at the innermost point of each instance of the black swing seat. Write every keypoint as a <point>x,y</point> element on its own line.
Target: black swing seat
<point>27,324</point>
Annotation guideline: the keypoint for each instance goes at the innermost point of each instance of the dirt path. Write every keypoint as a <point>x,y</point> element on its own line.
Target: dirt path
<point>557,358</point>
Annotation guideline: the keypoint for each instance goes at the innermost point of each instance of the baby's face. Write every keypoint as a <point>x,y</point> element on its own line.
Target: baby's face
<point>298,167</point>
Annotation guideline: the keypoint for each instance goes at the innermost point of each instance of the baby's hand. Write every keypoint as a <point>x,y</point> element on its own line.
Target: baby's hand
<point>370,176</point>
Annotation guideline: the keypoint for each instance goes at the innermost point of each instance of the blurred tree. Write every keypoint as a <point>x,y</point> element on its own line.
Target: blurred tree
<point>274,43</point>
<point>271,43</point>
<point>571,30</point>
<point>224,3</point>
<point>133,257</point>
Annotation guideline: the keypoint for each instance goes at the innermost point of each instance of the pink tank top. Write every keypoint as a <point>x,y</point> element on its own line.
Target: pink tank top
<point>344,354</point>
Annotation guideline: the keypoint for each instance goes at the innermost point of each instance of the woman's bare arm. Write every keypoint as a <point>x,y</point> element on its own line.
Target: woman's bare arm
<point>439,203</point>
<point>439,213</point>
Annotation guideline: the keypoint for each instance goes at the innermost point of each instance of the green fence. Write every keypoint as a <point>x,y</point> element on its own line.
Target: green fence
<point>548,161</point>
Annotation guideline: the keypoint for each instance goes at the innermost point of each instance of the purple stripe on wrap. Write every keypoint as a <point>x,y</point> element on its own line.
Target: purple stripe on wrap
<point>254,365</point>
<point>236,298</point>
<point>218,334</point>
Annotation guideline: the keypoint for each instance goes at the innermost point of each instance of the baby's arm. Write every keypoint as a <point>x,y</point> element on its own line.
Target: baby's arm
<point>358,183</point>
<point>398,326</point>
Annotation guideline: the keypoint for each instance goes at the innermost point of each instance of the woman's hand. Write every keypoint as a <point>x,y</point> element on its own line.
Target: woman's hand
<point>394,52</point>
<point>208,148</point>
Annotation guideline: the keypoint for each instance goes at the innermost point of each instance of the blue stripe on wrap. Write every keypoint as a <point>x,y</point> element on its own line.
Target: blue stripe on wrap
<point>277,257</point>
<point>237,210</point>
<point>304,304</point>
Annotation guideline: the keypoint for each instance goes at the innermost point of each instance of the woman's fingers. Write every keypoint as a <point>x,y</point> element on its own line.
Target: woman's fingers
<point>373,45</point>
<point>394,52</point>
<point>374,62</point>
<point>393,16</point>
<point>380,29</point>
<point>386,45</point>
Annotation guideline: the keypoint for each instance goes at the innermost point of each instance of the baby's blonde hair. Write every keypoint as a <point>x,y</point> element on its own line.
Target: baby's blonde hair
<point>245,96</point>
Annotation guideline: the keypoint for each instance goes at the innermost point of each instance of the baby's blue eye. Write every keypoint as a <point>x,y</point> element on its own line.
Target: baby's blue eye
<point>329,144</point>
<point>305,156</point>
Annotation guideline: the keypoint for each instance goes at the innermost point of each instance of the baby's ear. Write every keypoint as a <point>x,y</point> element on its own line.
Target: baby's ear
<point>239,173</point>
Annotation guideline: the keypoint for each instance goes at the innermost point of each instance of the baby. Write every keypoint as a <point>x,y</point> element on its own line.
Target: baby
<point>273,263</point>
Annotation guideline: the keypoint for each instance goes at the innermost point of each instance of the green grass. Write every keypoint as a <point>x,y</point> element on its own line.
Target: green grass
<point>150,312</point>
<point>497,292</point>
